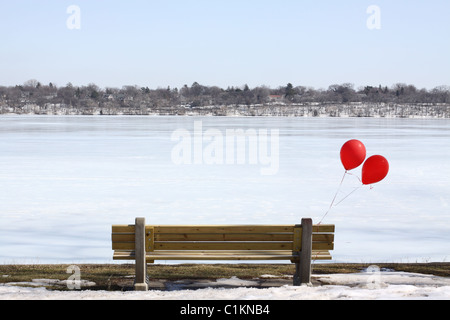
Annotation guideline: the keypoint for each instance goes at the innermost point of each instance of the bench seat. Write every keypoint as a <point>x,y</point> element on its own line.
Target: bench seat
<point>220,255</point>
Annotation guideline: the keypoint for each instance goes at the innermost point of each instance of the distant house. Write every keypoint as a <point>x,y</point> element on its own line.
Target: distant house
<point>120,97</point>
<point>108,96</point>
<point>275,98</point>
<point>51,96</point>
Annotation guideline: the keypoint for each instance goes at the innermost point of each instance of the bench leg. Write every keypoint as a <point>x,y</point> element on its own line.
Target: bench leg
<point>141,264</point>
<point>303,268</point>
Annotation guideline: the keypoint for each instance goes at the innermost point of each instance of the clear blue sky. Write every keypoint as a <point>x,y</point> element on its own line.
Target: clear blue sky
<point>225,43</point>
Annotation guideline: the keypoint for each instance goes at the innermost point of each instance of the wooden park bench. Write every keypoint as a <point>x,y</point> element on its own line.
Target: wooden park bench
<point>299,244</point>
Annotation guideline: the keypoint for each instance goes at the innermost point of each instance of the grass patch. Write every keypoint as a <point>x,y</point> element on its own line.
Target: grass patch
<point>120,276</point>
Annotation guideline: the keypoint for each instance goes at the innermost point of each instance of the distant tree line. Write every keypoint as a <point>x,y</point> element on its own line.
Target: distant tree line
<point>197,95</point>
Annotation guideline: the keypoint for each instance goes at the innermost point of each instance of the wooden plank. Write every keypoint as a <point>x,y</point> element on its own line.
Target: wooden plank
<point>225,229</point>
<point>324,228</point>
<point>223,237</point>
<point>214,255</point>
<point>123,228</point>
<point>217,255</point>
<point>246,255</point>
<point>181,245</point>
<point>322,258</point>
<point>321,255</point>
<point>209,237</point>
<point>151,259</point>
<point>123,252</point>
<point>316,246</point>
<point>123,245</point>
<point>124,255</point>
<point>323,237</point>
<point>119,237</point>
<point>222,252</point>
<point>122,237</point>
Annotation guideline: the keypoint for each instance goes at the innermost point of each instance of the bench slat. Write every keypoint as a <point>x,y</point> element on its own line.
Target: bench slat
<point>123,228</point>
<point>323,237</point>
<point>322,246</point>
<point>222,246</point>
<point>282,254</point>
<point>238,228</point>
<point>123,245</point>
<point>220,255</point>
<point>211,256</point>
<point>246,229</point>
<point>127,237</point>
<point>122,237</point>
<point>223,237</point>
<point>217,245</point>
<point>323,228</point>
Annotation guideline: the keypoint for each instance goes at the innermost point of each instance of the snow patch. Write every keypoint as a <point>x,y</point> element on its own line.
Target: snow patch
<point>393,286</point>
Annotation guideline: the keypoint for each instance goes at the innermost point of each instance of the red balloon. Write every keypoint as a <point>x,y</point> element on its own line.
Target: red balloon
<point>375,169</point>
<point>353,154</point>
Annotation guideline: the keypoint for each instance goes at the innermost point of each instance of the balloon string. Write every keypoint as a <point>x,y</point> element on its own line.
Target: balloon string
<point>348,195</point>
<point>352,174</point>
<point>332,204</point>
<point>334,199</point>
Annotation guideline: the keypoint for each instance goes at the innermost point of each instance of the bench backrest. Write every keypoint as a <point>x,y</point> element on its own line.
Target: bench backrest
<point>244,237</point>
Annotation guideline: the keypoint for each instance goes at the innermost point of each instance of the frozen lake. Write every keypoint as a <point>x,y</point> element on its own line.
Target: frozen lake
<point>65,180</point>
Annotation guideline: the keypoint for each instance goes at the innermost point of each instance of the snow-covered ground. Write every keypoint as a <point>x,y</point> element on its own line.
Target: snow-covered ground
<point>384,285</point>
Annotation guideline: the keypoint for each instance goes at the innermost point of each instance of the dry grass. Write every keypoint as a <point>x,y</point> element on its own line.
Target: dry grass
<point>119,276</point>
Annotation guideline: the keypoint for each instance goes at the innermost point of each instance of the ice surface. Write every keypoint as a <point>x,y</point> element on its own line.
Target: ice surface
<point>66,180</point>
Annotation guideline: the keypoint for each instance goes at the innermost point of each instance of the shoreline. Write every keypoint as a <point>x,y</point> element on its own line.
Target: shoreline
<point>120,277</point>
<point>313,110</point>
